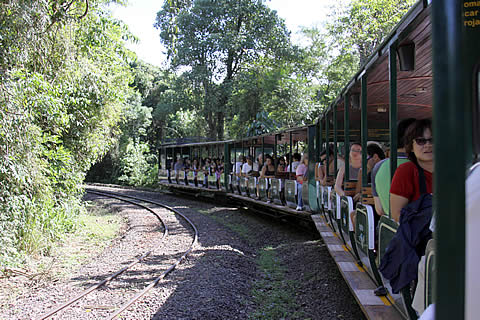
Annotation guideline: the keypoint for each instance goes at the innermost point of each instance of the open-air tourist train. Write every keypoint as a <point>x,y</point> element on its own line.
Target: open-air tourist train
<point>427,68</point>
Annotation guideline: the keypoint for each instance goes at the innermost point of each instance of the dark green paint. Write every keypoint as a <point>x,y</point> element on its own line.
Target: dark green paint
<point>312,186</point>
<point>346,100</point>
<point>392,54</point>
<point>364,129</point>
<point>291,152</point>
<point>335,139</point>
<point>454,56</point>
<point>227,165</point>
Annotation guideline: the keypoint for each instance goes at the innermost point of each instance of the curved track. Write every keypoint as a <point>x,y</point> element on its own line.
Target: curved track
<point>135,201</point>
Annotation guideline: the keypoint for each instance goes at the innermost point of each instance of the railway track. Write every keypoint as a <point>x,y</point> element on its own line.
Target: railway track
<point>143,258</point>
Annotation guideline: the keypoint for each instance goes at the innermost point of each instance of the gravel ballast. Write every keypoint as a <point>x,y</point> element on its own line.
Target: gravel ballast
<point>244,266</point>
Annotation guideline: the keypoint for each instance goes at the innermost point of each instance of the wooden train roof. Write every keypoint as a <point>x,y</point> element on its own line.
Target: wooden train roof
<point>195,144</point>
<point>283,137</point>
<point>414,88</point>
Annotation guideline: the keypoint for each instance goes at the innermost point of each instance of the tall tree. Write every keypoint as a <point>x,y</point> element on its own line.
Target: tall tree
<point>364,24</point>
<point>216,39</point>
<point>63,82</point>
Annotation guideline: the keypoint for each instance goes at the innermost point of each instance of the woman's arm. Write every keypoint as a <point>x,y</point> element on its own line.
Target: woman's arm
<point>320,174</point>
<point>323,180</point>
<point>358,186</point>
<point>262,173</point>
<point>339,181</point>
<point>378,206</point>
<point>396,205</point>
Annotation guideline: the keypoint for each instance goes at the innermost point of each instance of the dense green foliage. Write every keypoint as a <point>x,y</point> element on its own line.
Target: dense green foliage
<point>64,79</point>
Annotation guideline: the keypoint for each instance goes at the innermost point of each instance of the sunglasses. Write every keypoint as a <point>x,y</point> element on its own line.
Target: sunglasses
<point>423,141</point>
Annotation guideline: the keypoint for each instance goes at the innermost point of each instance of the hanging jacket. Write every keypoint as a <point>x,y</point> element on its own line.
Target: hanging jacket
<point>399,264</point>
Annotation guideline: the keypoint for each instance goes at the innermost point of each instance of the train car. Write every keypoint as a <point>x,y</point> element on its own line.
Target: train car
<point>428,67</point>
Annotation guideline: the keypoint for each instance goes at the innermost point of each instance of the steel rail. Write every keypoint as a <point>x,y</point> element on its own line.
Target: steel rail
<point>171,268</point>
<point>119,272</point>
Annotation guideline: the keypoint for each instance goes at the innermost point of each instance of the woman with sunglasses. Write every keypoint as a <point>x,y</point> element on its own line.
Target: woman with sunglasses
<point>405,186</point>
<point>354,167</point>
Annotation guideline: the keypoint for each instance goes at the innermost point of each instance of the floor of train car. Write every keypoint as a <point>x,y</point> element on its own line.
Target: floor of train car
<point>356,277</point>
<point>304,215</point>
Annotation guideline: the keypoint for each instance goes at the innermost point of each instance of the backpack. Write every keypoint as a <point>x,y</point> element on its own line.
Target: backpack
<point>399,264</point>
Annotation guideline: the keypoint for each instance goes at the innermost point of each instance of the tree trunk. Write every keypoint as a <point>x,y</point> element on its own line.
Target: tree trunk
<point>211,132</point>
<point>220,125</point>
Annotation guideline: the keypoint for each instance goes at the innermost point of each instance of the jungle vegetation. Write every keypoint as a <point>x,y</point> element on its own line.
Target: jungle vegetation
<point>75,103</point>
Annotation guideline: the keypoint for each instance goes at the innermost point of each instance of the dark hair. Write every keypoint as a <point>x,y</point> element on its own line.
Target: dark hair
<point>297,156</point>
<point>374,148</point>
<point>355,143</point>
<point>330,151</point>
<point>415,130</point>
<point>402,127</point>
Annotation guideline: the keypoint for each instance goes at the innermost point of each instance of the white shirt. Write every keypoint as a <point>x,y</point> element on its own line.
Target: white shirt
<point>295,164</point>
<point>238,167</point>
<point>255,166</point>
<point>246,168</point>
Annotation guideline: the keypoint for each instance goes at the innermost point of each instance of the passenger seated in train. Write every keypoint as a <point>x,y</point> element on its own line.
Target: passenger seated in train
<point>218,167</point>
<point>381,171</point>
<point>206,170</point>
<point>281,167</point>
<point>405,186</point>
<point>295,162</point>
<point>375,154</point>
<point>268,171</point>
<point>354,167</point>
<point>195,168</point>
<point>177,168</point>
<point>247,167</point>
<point>186,169</point>
<point>257,165</point>
<point>400,263</point>
<point>257,168</point>
<point>301,176</point>
<point>322,168</point>
<point>237,169</point>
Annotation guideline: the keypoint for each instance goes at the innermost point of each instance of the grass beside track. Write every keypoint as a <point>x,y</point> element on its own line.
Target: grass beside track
<point>274,296</point>
<point>96,228</point>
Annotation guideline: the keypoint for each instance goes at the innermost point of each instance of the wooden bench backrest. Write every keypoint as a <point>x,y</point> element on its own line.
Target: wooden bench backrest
<point>367,197</point>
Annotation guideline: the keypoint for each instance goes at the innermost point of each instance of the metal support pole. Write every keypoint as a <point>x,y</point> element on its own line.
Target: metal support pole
<point>327,139</point>
<point>346,114</point>
<point>392,65</point>
<point>335,138</point>
<point>318,141</point>
<point>455,55</point>
<point>263,150</point>
<point>364,130</point>
<point>275,153</point>
<point>291,150</point>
